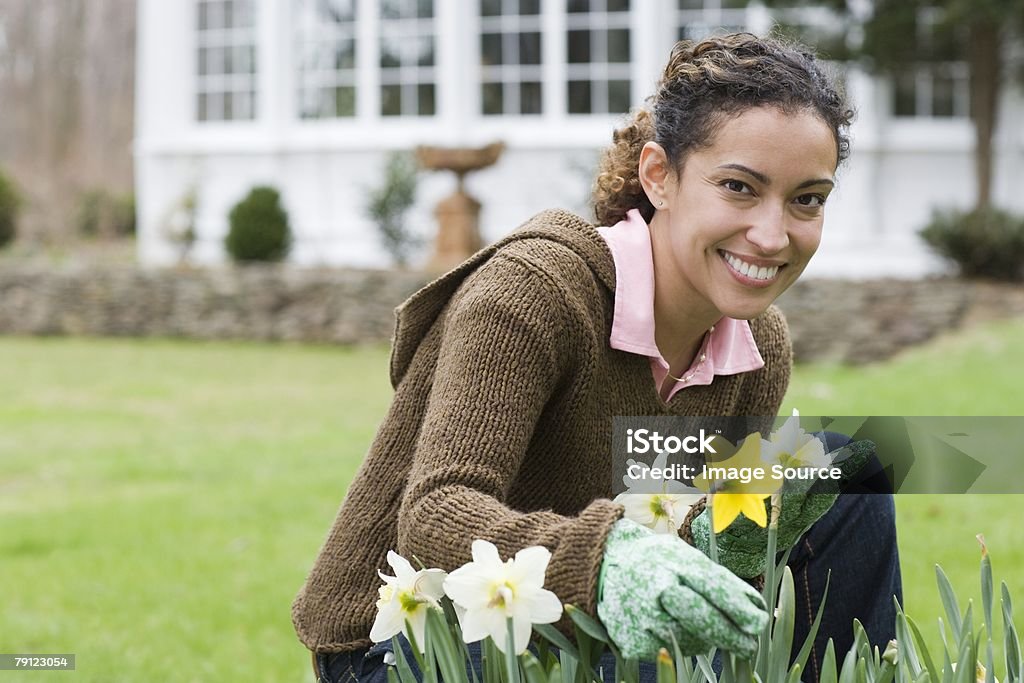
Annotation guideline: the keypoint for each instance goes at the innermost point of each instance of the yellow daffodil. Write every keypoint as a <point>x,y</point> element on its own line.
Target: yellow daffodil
<point>735,488</point>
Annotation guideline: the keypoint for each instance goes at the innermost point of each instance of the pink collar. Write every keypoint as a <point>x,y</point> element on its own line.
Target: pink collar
<point>729,347</point>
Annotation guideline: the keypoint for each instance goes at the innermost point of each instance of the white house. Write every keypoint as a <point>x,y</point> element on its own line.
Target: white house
<point>311,95</point>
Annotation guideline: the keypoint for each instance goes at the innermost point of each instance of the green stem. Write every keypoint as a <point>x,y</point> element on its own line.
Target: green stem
<point>711,528</point>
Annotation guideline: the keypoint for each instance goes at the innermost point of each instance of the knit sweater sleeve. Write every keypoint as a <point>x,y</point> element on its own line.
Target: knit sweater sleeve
<point>505,348</point>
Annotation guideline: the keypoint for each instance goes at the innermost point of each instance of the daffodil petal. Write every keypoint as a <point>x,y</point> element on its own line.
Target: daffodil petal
<point>542,606</point>
<point>486,553</point>
<point>388,623</point>
<point>753,508</point>
<point>529,566</point>
<point>403,570</point>
<point>469,587</point>
<point>724,510</point>
<point>430,583</point>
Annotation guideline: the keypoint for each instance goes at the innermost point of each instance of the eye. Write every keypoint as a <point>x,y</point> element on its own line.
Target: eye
<point>737,186</point>
<point>812,201</point>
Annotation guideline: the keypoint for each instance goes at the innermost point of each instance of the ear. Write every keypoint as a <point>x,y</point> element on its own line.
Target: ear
<point>655,173</point>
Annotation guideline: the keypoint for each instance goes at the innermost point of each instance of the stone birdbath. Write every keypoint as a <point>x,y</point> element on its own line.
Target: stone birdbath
<point>458,215</point>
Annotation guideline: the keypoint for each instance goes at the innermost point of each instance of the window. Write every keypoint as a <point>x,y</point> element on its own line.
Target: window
<point>326,50</point>
<point>939,87</point>
<point>698,19</point>
<point>510,57</point>
<point>598,55</point>
<point>226,85</point>
<point>408,81</point>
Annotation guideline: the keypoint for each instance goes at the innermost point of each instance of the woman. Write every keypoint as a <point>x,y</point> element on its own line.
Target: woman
<point>509,369</point>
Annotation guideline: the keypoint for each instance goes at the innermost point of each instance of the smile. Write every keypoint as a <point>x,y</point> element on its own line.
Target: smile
<point>750,273</point>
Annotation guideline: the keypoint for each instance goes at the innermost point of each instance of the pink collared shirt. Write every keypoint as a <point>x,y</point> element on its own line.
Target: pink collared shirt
<point>729,346</point>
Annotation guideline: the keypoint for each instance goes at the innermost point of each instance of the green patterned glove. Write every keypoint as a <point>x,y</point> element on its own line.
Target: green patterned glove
<point>742,546</point>
<point>654,586</point>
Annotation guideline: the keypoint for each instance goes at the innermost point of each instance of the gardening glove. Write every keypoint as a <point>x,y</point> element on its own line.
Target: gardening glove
<point>742,546</point>
<point>654,586</point>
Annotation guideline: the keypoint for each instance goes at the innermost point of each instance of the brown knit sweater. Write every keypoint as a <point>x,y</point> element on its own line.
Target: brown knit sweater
<point>500,425</point>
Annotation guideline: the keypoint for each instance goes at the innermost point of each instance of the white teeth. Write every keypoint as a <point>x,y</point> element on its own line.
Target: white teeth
<point>751,270</point>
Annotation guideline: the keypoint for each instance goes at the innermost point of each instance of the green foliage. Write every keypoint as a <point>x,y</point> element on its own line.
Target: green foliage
<point>10,206</point>
<point>388,204</point>
<point>983,242</point>
<point>101,213</point>
<point>258,227</point>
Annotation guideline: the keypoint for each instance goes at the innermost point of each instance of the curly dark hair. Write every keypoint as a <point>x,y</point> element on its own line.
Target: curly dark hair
<point>703,85</point>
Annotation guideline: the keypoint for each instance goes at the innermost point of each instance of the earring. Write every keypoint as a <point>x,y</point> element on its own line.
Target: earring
<point>661,202</point>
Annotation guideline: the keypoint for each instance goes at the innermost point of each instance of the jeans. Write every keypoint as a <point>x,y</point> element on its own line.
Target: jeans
<point>855,541</point>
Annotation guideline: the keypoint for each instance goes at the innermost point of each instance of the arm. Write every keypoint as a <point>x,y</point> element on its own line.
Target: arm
<point>506,346</point>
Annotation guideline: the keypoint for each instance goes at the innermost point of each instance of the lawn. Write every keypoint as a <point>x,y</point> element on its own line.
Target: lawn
<point>161,501</point>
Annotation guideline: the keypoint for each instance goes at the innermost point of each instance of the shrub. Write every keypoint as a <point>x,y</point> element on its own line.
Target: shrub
<point>985,243</point>
<point>258,227</point>
<point>103,213</point>
<point>10,205</point>
<point>388,204</point>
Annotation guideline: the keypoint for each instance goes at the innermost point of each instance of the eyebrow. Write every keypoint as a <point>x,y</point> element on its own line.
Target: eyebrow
<point>762,178</point>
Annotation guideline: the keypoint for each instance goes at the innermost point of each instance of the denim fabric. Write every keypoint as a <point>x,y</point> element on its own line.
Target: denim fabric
<point>855,541</point>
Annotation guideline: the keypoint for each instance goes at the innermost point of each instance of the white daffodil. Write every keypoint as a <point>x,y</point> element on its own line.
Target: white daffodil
<point>791,446</point>
<point>491,592</point>
<point>662,511</point>
<point>406,596</point>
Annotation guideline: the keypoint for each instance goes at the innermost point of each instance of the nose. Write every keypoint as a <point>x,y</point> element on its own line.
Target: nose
<point>769,232</point>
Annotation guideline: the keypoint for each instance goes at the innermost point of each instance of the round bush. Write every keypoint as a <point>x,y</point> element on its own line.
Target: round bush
<point>986,243</point>
<point>10,203</point>
<point>258,227</point>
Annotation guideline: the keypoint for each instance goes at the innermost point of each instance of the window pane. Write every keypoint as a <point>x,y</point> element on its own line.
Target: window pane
<point>942,96</point>
<point>204,15</point>
<point>425,93</point>
<point>425,51</point>
<point>391,9</point>
<point>618,97</point>
<point>579,97</point>
<point>391,100</point>
<point>202,108</point>
<point>529,6</point>
<point>337,11</point>
<point>618,45</point>
<point>492,98</point>
<point>244,60</point>
<point>424,8</point>
<point>241,105</point>
<point>390,52</point>
<point>529,98</point>
<point>618,5</point>
<point>490,8</point>
<point>579,5</point>
<point>490,48</point>
<point>905,99</point>
<point>691,4</point>
<point>579,47</point>
<point>345,101</point>
<point>529,48</point>
<point>345,54</point>
<point>242,14</point>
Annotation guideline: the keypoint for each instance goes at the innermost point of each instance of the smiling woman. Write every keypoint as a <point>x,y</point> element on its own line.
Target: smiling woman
<point>509,369</point>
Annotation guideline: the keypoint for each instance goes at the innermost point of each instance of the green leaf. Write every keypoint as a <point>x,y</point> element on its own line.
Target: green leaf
<point>828,665</point>
<point>949,603</point>
<point>493,662</point>
<point>588,624</point>
<point>555,637</point>
<point>782,635</point>
<point>1011,642</point>
<point>401,663</point>
<point>532,669</point>
<point>922,649</point>
<point>568,665</point>
<point>511,664</point>
<point>449,654</point>
<point>392,676</point>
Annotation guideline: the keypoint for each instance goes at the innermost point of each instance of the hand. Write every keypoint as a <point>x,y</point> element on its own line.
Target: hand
<point>655,586</point>
<point>742,546</point>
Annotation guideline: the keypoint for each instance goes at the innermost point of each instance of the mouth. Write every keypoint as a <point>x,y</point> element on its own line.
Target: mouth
<point>751,274</point>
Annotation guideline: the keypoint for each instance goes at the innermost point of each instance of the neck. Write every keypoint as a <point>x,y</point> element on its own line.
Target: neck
<point>681,318</point>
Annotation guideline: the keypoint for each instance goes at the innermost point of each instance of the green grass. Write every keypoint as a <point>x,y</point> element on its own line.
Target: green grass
<point>161,501</point>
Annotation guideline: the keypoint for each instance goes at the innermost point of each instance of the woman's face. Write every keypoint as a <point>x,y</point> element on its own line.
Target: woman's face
<point>742,219</point>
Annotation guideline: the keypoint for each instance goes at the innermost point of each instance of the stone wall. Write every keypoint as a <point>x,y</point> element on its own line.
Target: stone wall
<point>852,321</point>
